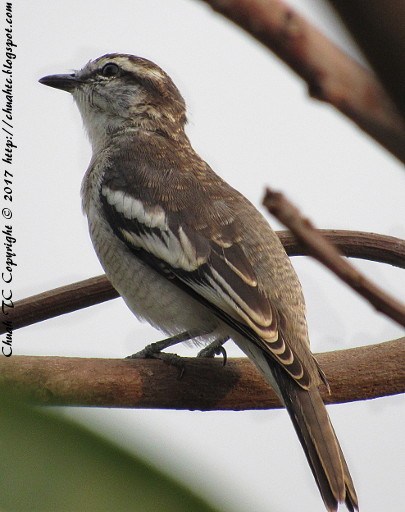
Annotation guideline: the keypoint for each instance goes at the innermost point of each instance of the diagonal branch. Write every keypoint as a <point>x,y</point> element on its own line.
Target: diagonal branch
<point>318,247</point>
<point>331,75</point>
<point>357,244</point>
<point>378,27</point>
<point>59,301</point>
<point>354,374</point>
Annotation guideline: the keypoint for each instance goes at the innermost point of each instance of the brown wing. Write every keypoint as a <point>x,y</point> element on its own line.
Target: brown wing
<point>186,227</point>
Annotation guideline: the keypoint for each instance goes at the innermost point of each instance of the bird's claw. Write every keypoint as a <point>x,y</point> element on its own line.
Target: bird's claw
<point>211,351</point>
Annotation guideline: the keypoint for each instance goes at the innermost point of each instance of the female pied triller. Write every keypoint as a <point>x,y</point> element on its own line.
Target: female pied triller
<point>190,254</point>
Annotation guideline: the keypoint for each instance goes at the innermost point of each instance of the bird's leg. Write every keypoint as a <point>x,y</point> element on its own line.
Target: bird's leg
<point>215,349</point>
<point>154,349</point>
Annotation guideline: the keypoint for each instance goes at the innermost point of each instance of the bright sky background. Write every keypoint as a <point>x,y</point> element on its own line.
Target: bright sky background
<point>252,120</point>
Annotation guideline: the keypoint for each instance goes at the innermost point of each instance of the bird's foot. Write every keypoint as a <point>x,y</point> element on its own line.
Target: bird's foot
<point>154,350</point>
<point>215,349</point>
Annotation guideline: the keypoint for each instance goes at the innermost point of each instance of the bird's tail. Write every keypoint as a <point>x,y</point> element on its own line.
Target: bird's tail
<point>315,431</point>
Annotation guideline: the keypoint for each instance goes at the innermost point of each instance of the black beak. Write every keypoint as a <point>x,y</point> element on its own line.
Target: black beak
<point>65,82</point>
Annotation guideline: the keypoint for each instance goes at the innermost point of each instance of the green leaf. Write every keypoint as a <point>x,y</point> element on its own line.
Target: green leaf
<point>50,464</point>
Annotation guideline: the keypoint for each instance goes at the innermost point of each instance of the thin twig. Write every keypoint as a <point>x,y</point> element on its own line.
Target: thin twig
<point>318,247</point>
<point>354,374</point>
<point>331,75</point>
<point>82,294</point>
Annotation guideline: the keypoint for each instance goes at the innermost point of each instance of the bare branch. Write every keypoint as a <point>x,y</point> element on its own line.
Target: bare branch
<point>379,29</point>
<point>318,247</point>
<point>354,374</point>
<point>354,244</point>
<point>59,301</point>
<point>385,249</point>
<point>331,75</point>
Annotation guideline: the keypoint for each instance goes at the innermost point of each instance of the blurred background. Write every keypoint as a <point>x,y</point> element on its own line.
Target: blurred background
<point>250,117</point>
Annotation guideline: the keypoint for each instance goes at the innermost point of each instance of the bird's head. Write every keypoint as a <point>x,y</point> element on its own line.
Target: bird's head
<point>119,91</point>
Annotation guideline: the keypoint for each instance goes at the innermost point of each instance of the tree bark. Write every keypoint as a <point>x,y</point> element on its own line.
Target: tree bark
<point>331,75</point>
<point>353,374</point>
<point>379,29</point>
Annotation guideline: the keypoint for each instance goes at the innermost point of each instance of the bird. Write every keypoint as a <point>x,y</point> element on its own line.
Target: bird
<point>190,254</point>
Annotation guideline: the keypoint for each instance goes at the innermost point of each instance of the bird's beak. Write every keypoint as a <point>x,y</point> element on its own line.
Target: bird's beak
<point>65,82</point>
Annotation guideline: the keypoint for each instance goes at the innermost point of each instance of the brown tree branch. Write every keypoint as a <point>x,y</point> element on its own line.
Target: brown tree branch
<point>318,247</point>
<point>354,244</point>
<point>354,374</point>
<point>98,289</point>
<point>59,301</point>
<point>332,76</point>
<point>379,29</point>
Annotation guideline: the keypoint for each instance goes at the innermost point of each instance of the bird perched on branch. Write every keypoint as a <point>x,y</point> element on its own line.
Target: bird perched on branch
<point>190,254</point>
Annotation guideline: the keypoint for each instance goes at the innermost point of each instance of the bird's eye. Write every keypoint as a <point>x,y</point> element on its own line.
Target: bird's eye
<point>110,70</point>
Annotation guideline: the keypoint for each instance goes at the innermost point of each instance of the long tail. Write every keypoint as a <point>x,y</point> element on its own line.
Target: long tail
<point>315,431</point>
